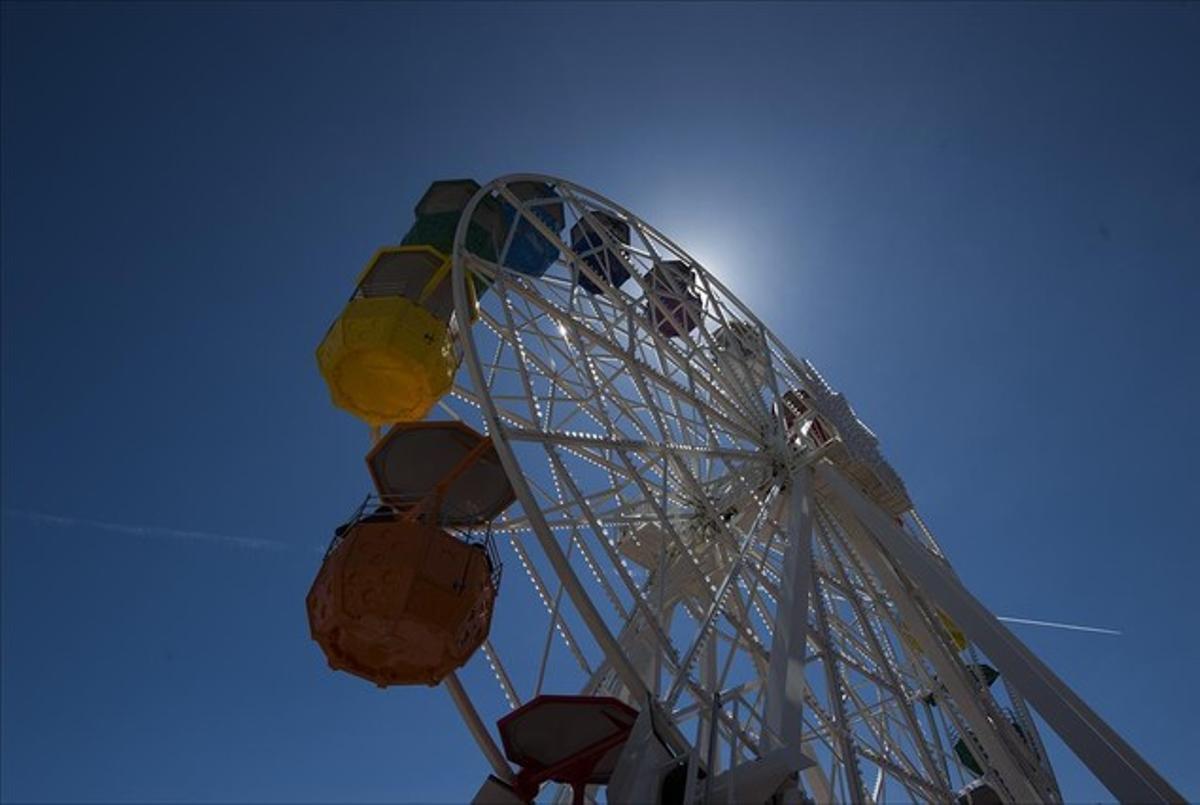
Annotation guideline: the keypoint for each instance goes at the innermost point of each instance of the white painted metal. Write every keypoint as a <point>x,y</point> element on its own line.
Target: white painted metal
<point>779,628</point>
<point>784,700</point>
<point>1126,774</point>
<point>477,728</point>
<point>646,759</point>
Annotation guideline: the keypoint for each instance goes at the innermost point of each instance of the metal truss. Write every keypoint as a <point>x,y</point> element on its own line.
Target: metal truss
<point>691,548</point>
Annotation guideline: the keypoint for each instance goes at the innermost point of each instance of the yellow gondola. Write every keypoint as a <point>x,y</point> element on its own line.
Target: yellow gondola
<point>390,355</point>
<point>957,637</point>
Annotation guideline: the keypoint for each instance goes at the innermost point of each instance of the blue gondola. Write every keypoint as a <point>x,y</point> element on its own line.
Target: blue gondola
<point>529,251</point>
<point>588,243</point>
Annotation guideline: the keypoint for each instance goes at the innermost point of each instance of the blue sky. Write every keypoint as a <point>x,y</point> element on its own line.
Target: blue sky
<point>981,222</point>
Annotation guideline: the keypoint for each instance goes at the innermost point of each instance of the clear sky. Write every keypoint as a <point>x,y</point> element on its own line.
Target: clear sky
<point>981,222</point>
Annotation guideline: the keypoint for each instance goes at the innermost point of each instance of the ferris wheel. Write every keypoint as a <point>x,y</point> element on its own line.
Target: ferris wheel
<point>715,588</point>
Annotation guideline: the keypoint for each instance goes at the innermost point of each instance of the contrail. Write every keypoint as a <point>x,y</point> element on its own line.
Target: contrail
<point>1048,624</point>
<point>154,532</point>
<point>1052,625</point>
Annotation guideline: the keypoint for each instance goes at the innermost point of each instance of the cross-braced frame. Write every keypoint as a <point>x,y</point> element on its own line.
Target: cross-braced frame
<point>706,529</point>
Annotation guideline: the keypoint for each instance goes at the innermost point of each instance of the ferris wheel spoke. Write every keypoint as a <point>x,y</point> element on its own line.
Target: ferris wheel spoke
<point>543,593</point>
<point>701,384</point>
<point>640,604</point>
<point>843,736</point>
<point>852,646</point>
<point>629,445</point>
<point>673,410</point>
<point>877,617</point>
<point>746,641</point>
<point>624,514</point>
<point>611,516</point>
<point>858,578</point>
<point>740,615</point>
<point>553,625</point>
<point>522,320</point>
<point>832,652</point>
<point>825,733</point>
<point>500,674</point>
<point>471,398</point>
<point>593,566</point>
<point>654,402</point>
<point>680,468</point>
<point>715,610</point>
<point>746,638</point>
<point>586,553</point>
<point>522,365</point>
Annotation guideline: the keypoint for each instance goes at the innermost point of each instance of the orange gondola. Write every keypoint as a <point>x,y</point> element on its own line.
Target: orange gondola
<point>407,589</point>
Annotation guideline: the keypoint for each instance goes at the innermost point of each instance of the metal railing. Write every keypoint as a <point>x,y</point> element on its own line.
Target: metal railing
<point>394,508</point>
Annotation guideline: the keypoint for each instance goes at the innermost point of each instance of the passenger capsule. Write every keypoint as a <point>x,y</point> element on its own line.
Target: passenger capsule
<point>980,672</point>
<point>446,467</point>
<point>742,350</point>
<point>977,792</point>
<point>850,445</point>
<point>407,589</point>
<point>588,242</point>
<point>529,251</point>
<point>401,602</point>
<point>439,210</point>
<point>672,303</point>
<point>957,637</point>
<point>390,356</point>
<point>438,213</point>
<point>574,740</point>
<point>965,755</point>
<point>797,407</point>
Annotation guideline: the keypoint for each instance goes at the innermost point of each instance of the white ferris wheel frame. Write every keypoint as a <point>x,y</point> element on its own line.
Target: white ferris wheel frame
<point>812,504</point>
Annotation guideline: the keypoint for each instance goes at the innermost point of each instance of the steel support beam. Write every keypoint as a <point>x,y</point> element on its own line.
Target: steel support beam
<point>1114,762</point>
<point>1012,778</point>
<point>784,701</point>
<point>477,728</point>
